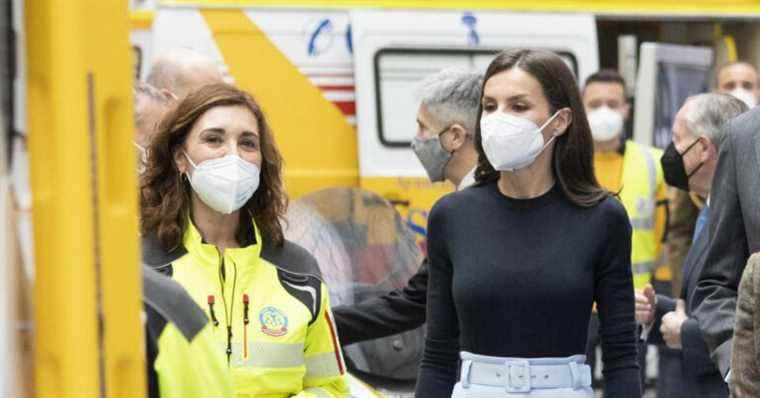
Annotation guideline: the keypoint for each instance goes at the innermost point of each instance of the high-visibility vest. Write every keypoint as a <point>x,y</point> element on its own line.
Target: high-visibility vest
<point>275,326</point>
<point>641,177</point>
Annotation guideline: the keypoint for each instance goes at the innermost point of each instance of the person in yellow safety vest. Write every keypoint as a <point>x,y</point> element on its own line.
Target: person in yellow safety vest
<point>212,201</point>
<point>183,360</point>
<point>634,172</point>
<point>631,169</point>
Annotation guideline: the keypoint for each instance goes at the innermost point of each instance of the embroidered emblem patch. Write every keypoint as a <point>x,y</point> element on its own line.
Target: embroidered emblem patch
<point>273,322</point>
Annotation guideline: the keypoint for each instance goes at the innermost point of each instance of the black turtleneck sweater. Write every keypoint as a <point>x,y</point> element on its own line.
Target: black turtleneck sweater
<point>517,278</point>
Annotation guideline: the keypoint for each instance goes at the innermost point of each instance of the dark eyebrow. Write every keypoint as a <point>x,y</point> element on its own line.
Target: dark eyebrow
<point>512,98</point>
<point>517,97</point>
<point>213,130</point>
<point>419,122</point>
<point>253,133</point>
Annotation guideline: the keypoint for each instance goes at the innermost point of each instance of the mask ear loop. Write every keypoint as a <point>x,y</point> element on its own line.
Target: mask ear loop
<point>551,119</point>
<point>550,141</point>
<point>689,147</point>
<point>696,169</point>
<point>188,159</point>
<point>186,173</point>
<point>556,132</point>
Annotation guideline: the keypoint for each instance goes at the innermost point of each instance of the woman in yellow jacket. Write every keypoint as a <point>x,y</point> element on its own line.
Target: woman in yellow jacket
<point>212,203</point>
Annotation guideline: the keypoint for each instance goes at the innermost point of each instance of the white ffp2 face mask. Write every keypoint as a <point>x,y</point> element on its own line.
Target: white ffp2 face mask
<point>606,123</point>
<point>746,96</point>
<point>512,142</point>
<point>224,184</point>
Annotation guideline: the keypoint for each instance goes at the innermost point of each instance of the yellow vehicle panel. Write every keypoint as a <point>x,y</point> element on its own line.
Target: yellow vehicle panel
<point>668,7</point>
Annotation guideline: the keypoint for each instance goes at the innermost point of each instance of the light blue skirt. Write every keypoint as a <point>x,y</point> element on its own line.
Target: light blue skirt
<point>496,377</point>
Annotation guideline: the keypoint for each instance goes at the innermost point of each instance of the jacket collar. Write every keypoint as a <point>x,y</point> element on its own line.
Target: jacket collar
<point>156,257</point>
<point>208,254</point>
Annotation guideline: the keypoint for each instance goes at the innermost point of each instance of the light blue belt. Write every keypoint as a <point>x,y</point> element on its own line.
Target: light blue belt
<point>524,375</point>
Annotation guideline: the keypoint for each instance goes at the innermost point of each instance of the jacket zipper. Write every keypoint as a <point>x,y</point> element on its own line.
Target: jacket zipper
<point>245,326</point>
<point>228,312</point>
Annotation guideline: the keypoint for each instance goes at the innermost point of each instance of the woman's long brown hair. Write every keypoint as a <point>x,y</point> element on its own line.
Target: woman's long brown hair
<point>166,194</point>
<point>573,159</point>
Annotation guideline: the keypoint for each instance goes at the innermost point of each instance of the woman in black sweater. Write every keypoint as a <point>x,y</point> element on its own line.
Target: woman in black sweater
<point>517,261</point>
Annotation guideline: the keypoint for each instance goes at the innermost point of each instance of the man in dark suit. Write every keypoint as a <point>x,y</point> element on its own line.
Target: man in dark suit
<point>689,163</point>
<point>734,233</point>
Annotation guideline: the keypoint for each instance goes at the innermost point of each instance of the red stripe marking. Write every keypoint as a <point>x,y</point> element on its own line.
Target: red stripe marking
<point>336,348</point>
<point>330,74</point>
<point>347,107</point>
<point>338,88</point>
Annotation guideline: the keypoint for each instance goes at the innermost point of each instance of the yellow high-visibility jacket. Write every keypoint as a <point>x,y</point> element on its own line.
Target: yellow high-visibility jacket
<point>274,326</point>
<point>642,179</point>
<point>638,176</point>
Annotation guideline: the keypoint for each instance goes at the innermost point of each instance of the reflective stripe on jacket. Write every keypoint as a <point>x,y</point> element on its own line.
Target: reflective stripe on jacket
<point>642,176</point>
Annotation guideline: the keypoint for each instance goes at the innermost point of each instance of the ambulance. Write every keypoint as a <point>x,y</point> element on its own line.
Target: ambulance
<point>338,83</point>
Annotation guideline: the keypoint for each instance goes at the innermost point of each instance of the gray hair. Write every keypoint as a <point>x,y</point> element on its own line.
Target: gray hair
<point>452,96</point>
<point>709,114</point>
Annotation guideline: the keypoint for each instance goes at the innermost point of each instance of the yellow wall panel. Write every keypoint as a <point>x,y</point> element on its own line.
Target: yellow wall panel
<point>66,343</point>
<point>84,199</point>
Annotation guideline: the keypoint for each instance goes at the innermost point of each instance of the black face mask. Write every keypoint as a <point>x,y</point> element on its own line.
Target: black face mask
<point>673,168</point>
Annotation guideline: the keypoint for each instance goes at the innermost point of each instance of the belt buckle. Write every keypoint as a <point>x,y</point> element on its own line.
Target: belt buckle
<point>518,376</point>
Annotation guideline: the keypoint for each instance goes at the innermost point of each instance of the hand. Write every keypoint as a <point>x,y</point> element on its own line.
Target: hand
<point>671,325</point>
<point>646,300</point>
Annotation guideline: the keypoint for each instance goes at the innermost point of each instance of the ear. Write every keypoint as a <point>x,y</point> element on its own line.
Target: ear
<point>709,151</point>
<point>181,161</point>
<point>168,94</point>
<point>626,109</point>
<point>458,136</point>
<point>562,122</point>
